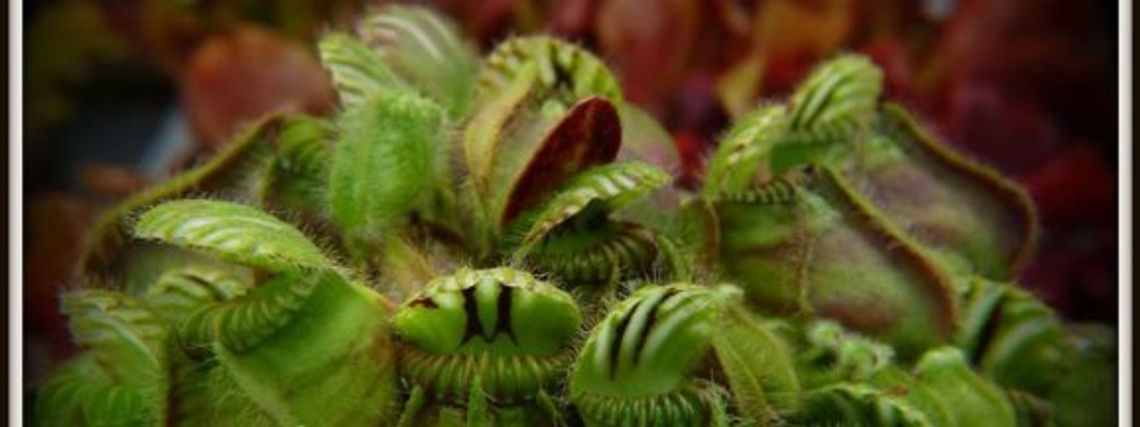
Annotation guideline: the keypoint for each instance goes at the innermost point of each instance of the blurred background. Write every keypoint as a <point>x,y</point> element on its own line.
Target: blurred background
<point>119,94</point>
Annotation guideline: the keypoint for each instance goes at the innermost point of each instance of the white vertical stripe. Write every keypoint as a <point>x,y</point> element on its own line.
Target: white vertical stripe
<point>415,32</point>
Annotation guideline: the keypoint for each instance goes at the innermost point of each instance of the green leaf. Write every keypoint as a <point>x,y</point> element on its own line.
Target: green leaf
<point>825,249</point>
<point>613,186</point>
<point>843,91</point>
<point>860,404</point>
<point>636,365</point>
<point>233,172</point>
<point>148,261</point>
<point>177,292</point>
<point>484,132</point>
<point>246,321</point>
<point>758,366</point>
<point>81,394</point>
<point>1087,394</point>
<point>829,111</point>
<point>1012,338</point>
<point>297,180</point>
<point>425,48</point>
<point>970,400</point>
<point>741,152</point>
<point>593,255</point>
<point>120,332</point>
<point>234,232</point>
<point>942,391</point>
<point>383,162</point>
<point>978,221</point>
<point>631,353</point>
<point>357,72</point>
<point>122,377</point>
<point>332,363</point>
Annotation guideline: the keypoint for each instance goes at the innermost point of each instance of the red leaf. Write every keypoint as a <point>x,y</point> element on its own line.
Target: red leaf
<point>588,135</point>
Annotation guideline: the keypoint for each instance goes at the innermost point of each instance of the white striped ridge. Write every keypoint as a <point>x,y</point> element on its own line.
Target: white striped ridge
<point>232,231</point>
<point>435,37</point>
<point>614,184</point>
<point>246,321</point>
<point>775,192</point>
<point>178,292</point>
<point>100,320</point>
<point>846,87</point>
<point>740,152</point>
<point>357,72</point>
<point>639,328</point>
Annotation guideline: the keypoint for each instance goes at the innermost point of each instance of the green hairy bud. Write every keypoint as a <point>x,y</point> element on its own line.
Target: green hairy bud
<point>388,138</point>
<point>497,241</point>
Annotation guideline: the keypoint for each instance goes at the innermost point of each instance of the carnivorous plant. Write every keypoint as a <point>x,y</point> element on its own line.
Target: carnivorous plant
<point>496,241</point>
